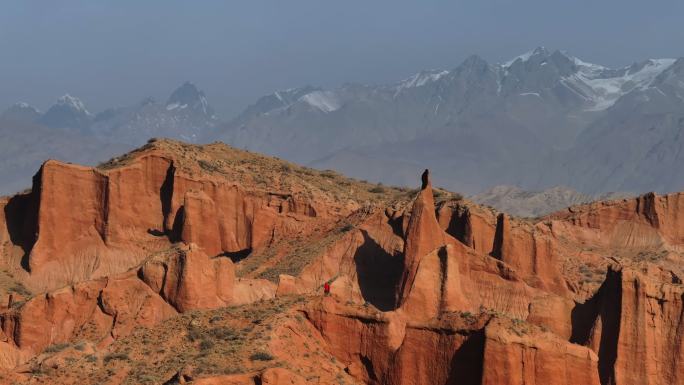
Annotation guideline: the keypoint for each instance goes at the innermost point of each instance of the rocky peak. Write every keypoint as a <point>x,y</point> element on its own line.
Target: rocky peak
<point>538,53</point>
<point>540,61</point>
<point>277,100</point>
<point>672,76</point>
<point>423,234</point>
<point>473,67</point>
<point>72,103</point>
<point>21,112</point>
<point>420,79</point>
<point>566,64</point>
<point>67,112</point>
<point>189,97</point>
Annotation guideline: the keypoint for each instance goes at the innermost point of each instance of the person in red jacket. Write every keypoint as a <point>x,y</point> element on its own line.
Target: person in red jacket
<point>326,288</point>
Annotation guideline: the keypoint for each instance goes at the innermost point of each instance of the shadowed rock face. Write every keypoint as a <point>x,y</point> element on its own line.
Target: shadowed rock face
<point>379,273</point>
<point>446,293</point>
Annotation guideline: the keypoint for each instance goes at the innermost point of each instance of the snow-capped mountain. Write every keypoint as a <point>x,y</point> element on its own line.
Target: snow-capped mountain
<point>67,112</point>
<point>190,99</point>
<point>638,142</point>
<point>26,144</point>
<point>21,112</point>
<point>599,86</point>
<point>476,125</point>
<point>274,102</point>
<point>420,79</point>
<point>529,74</point>
<point>70,132</point>
<point>541,119</point>
<point>186,115</point>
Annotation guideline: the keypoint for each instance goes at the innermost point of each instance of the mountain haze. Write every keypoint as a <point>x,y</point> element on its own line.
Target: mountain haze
<point>68,131</point>
<point>542,119</point>
<point>531,204</point>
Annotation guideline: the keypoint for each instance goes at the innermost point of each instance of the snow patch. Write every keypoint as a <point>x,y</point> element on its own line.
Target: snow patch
<point>526,56</point>
<point>604,90</point>
<point>600,86</point>
<point>73,103</point>
<point>175,106</point>
<point>587,67</point>
<point>325,101</point>
<point>204,104</point>
<point>420,79</point>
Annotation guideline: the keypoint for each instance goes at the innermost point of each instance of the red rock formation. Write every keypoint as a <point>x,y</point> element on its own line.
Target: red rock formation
<point>136,199</point>
<point>200,224</point>
<point>650,220</point>
<point>191,280</point>
<point>124,213</point>
<point>437,286</point>
<point>92,309</point>
<point>474,226</point>
<point>531,252</point>
<point>67,225</point>
<point>389,351</point>
<point>252,290</point>
<point>423,236</point>
<point>634,324</point>
<point>453,294</point>
<point>451,277</point>
<point>232,220</point>
<point>517,354</point>
<point>109,308</point>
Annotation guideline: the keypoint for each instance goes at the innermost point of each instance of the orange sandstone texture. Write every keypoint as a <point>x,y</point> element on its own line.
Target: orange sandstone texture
<point>80,223</point>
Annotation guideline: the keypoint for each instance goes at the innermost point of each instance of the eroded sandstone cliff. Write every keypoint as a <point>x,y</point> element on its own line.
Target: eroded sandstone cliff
<point>209,262</point>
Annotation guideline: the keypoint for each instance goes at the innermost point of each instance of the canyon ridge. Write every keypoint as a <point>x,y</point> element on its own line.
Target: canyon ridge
<point>205,264</point>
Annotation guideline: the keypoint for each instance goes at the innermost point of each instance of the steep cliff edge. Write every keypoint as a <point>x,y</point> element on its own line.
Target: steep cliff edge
<point>80,223</point>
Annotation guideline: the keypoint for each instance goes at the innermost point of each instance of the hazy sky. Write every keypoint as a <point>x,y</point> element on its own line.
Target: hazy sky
<point>113,53</point>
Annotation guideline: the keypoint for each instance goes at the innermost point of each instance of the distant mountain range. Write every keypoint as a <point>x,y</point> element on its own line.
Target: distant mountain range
<point>539,120</point>
<point>69,131</point>
<point>186,115</point>
<point>542,119</point>
<point>533,204</point>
